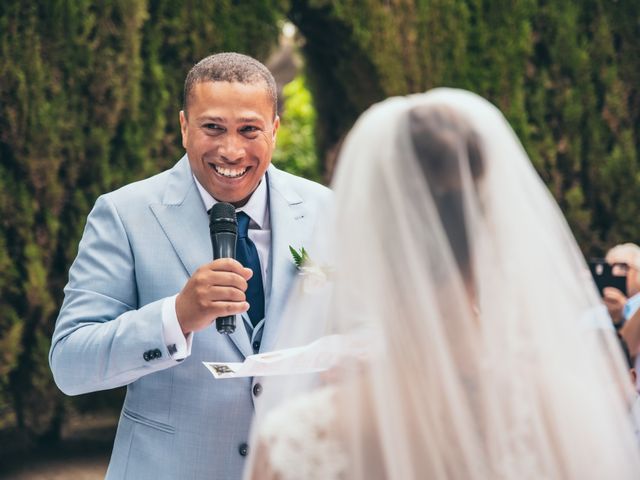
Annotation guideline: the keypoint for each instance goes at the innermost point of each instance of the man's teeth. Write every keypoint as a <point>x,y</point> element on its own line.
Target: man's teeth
<point>230,172</point>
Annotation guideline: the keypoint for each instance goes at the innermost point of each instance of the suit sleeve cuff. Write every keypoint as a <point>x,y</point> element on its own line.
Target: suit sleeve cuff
<point>178,346</point>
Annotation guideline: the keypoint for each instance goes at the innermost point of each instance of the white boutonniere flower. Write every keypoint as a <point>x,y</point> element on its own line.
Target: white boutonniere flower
<point>314,275</point>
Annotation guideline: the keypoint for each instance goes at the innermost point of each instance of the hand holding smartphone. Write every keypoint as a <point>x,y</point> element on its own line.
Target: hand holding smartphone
<point>602,274</point>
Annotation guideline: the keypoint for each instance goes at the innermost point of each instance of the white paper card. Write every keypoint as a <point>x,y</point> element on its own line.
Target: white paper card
<point>315,357</point>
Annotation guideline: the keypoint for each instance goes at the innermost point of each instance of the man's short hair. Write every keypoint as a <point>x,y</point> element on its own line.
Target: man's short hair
<point>230,67</point>
<point>629,251</point>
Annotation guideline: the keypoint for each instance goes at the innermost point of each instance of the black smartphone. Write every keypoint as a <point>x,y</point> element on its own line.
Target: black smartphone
<point>602,275</point>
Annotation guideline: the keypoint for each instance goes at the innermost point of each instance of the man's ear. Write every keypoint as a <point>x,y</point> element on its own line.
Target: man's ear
<point>183,128</point>
<point>276,126</point>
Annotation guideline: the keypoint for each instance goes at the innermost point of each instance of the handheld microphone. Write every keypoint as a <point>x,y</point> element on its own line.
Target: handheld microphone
<point>223,228</point>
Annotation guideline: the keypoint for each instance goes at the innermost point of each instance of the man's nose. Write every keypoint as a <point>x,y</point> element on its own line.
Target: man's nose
<point>232,149</point>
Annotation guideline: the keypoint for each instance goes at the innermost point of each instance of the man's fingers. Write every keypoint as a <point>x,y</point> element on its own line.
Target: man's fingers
<point>225,265</point>
<point>225,279</point>
<point>229,266</point>
<point>226,294</point>
<point>247,273</point>
<point>222,309</point>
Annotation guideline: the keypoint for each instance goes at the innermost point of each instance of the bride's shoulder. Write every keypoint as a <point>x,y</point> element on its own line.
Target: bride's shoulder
<point>301,439</point>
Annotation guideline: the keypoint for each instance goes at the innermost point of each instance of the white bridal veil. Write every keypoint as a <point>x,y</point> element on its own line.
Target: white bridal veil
<point>481,347</point>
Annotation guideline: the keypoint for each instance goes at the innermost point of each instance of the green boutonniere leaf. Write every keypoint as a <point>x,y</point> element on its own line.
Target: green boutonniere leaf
<point>299,257</point>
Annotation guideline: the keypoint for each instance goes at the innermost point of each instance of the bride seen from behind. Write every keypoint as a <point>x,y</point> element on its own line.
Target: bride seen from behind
<point>488,353</point>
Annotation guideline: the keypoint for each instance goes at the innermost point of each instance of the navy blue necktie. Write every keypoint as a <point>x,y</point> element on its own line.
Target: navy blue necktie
<point>247,255</point>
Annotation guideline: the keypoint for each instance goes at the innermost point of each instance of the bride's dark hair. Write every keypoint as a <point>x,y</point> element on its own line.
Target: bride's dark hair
<point>447,148</point>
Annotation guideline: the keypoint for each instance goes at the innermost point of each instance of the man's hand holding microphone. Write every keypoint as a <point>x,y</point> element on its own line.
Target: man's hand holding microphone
<point>216,290</point>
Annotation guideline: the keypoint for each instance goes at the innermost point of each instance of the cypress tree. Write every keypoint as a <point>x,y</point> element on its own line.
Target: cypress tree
<point>89,95</point>
<point>89,101</point>
<point>565,75</point>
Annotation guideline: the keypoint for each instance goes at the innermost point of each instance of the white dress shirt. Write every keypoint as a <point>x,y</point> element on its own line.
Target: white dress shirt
<point>257,208</point>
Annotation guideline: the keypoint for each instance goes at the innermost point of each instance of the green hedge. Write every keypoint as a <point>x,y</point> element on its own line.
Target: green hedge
<point>90,94</point>
<point>296,146</point>
<point>566,74</point>
<point>89,100</point>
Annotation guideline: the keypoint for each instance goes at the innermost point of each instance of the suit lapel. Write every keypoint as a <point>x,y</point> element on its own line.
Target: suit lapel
<point>183,218</point>
<point>185,222</point>
<point>288,227</point>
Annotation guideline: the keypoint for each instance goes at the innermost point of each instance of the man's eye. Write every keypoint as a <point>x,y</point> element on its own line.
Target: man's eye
<point>249,129</point>
<point>213,127</point>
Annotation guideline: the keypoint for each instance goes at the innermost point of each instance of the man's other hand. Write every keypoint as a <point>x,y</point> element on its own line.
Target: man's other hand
<point>216,289</point>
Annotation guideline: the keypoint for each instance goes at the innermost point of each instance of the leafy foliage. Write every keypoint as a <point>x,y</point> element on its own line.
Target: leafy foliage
<point>296,152</point>
<point>299,257</point>
<point>89,101</point>
<point>90,93</point>
<point>566,75</point>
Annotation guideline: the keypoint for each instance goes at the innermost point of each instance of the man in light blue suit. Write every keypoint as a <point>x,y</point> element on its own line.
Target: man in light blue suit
<point>143,291</point>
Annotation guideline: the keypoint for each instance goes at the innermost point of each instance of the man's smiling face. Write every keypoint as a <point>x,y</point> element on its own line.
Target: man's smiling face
<point>229,133</point>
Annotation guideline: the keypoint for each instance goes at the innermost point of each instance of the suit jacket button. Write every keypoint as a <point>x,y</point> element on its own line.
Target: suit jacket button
<point>257,389</point>
<point>243,449</point>
<point>256,346</point>
<point>146,356</point>
<point>157,353</point>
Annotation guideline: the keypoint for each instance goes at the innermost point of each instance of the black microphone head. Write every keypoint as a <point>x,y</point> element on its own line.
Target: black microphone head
<point>222,218</point>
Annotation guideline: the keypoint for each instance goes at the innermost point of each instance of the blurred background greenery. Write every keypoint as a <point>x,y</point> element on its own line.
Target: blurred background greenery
<point>90,93</point>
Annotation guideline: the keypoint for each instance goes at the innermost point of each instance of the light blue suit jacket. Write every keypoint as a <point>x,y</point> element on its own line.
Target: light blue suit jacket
<point>140,245</point>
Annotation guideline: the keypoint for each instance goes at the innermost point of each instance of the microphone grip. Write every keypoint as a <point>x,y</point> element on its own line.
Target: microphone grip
<point>224,246</point>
